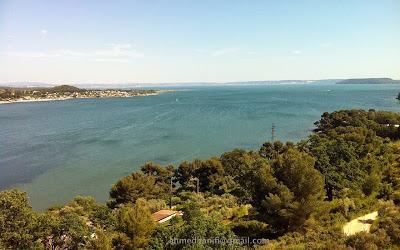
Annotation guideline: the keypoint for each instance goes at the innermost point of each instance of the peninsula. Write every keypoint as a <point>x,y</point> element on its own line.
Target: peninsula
<point>64,92</point>
<point>369,81</point>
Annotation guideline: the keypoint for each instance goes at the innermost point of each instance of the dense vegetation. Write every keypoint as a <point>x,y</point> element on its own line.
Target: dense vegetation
<point>8,92</point>
<point>293,195</point>
<point>369,81</point>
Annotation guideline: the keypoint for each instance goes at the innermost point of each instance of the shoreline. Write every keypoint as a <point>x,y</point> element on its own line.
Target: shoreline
<point>157,92</point>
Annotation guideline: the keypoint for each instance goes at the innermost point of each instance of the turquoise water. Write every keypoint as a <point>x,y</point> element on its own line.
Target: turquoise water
<point>56,150</point>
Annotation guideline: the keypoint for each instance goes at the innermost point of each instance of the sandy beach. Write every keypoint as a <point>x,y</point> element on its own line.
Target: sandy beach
<point>34,100</point>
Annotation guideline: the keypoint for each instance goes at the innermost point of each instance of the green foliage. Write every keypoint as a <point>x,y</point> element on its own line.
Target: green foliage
<point>245,169</point>
<point>224,207</point>
<point>309,240</point>
<point>299,190</point>
<point>132,187</point>
<point>98,214</point>
<point>210,173</point>
<point>253,229</point>
<point>231,173</point>
<point>134,226</point>
<point>389,222</point>
<point>153,183</point>
<point>296,171</point>
<point>351,157</point>
<point>66,229</point>
<point>161,174</point>
<point>390,187</point>
<point>207,228</point>
<point>156,204</point>
<point>285,194</point>
<point>343,206</point>
<point>102,241</point>
<point>193,233</point>
<point>191,211</point>
<point>17,221</point>
<point>371,184</point>
<point>272,150</point>
<point>382,122</point>
<point>368,241</point>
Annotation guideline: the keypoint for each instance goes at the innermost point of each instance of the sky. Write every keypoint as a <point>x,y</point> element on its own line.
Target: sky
<point>74,41</point>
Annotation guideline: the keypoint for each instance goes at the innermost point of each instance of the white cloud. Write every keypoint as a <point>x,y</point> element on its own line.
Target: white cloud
<point>113,53</point>
<point>296,52</point>
<point>225,51</point>
<point>43,31</point>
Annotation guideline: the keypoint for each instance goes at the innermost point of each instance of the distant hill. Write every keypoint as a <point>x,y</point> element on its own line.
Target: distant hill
<point>17,92</point>
<point>65,88</point>
<point>55,89</point>
<point>369,81</point>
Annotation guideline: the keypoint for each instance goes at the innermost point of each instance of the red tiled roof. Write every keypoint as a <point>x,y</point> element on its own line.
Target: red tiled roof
<point>162,214</point>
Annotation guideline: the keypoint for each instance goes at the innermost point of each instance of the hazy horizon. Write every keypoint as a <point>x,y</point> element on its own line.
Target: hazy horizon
<point>179,84</point>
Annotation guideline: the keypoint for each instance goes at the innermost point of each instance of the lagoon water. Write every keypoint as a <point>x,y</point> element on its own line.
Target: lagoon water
<point>57,150</point>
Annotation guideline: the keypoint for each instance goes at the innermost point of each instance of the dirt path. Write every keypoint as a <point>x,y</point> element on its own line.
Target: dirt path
<point>360,224</point>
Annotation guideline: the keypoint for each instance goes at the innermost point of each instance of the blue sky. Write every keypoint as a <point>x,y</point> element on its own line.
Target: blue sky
<point>197,41</point>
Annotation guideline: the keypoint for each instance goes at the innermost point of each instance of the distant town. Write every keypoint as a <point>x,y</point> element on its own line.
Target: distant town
<point>64,92</point>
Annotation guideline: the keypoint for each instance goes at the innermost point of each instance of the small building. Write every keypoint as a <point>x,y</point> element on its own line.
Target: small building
<point>165,215</point>
<point>394,125</point>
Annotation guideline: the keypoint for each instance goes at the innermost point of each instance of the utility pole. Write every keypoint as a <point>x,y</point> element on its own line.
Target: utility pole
<point>273,133</point>
<point>170,193</point>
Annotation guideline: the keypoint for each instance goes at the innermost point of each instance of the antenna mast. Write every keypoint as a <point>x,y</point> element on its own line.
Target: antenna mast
<point>273,132</point>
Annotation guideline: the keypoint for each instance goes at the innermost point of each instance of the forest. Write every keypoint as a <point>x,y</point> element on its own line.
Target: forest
<point>285,195</point>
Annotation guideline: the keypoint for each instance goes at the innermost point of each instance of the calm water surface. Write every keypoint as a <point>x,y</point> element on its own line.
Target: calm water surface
<point>57,150</point>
